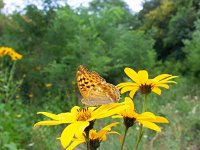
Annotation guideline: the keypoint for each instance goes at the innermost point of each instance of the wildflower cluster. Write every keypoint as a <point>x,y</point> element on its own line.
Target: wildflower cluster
<point>10,52</point>
<point>80,120</point>
<point>9,85</point>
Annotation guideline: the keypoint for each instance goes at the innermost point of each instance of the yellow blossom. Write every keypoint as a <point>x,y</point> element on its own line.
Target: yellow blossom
<point>48,85</point>
<point>94,137</point>
<point>80,118</point>
<point>10,52</point>
<point>143,84</point>
<point>147,119</point>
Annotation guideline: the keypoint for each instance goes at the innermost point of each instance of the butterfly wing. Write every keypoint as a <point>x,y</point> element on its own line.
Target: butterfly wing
<point>86,80</point>
<point>102,94</point>
<point>94,89</point>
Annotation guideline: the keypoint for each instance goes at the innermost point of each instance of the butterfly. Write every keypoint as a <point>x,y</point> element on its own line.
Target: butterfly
<point>94,89</point>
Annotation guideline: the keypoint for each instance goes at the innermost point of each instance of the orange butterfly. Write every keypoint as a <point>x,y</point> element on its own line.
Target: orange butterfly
<point>94,89</point>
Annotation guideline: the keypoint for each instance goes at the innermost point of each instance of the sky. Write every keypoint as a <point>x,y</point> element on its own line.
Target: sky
<point>11,5</point>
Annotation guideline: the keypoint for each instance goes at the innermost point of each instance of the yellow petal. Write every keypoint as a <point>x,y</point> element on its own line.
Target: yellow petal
<point>114,132</point>
<point>132,93</point>
<point>104,109</point>
<point>72,129</point>
<point>104,137</point>
<point>160,119</point>
<point>74,109</point>
<point>48,123</point>
<point>156,90</point>
<point>127,88</point>
<point>143,75</point>
<point>168,78</point>
<point>62,117</point>
<point>146,115</point>
<point>112,111</point>
<point>150,125</point>
<point>132,74</point>
<point>117,116</point>
<point>163,85</point>
<point>167,82</point>
<point>120,85</point>
<point>162,76</point>
<point>130,103</point>
<point>106,129</point>
<point>49,115</point>
<point>75,143</point>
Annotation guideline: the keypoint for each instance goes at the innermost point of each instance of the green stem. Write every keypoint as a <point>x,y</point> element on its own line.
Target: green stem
<point>9,75</point>
<point>139,137</point>
<point>124,138</point>
<point>87,139</point>
<point>144,103</point>
<point>141,126</point>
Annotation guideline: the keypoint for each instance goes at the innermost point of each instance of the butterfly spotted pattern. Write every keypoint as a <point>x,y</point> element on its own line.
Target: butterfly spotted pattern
<point>94,89</point>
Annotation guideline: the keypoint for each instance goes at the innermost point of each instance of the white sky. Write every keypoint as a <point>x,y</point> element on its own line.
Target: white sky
<point>11,5</point>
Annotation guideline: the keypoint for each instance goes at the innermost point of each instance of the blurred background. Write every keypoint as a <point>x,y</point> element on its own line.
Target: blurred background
<point>55,37</point>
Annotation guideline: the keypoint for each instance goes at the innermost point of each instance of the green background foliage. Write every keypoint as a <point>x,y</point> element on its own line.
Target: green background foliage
<point>106,37</point>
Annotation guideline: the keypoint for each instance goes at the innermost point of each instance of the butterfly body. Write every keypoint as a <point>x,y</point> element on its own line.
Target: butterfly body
<point>94,89</point>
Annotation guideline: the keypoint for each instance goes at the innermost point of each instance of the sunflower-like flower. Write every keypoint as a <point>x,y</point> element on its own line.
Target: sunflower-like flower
<point>95,138</point>
<point>10,52</point>
<point>143,84</point>
<point>80,119</point>
<point>147,119</point>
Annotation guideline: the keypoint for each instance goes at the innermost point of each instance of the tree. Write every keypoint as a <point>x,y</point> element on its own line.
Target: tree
<point>192,50</point>
<point>169,23</point>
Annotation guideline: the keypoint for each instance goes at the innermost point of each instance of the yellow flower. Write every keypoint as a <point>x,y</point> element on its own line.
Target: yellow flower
<point>10,52</point>
<point>143,84</point>
<point>147,119</point>
<point>48,85</point>
<point>94,137</point>
<point>80,118</point>
<point>30,95</point>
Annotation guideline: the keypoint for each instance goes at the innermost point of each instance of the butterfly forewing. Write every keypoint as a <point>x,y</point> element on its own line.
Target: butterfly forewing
<point>94,89</point>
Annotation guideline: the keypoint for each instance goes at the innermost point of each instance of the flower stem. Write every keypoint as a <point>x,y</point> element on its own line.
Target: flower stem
<point>139,137</point>
<point>124,137</point>
<point>87,139</point>
<point>141,126</point>
<point>144,103</point>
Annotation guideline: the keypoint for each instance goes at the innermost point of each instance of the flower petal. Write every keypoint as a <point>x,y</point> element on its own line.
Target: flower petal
<point>132,74</point>
<point>160,119</point>
<point>156,90</point>
<point>150,125</point>
<point>143,75</point>
<point>105,130</point>
<point>163,85</point>
<point>162,76</point>
<point>120,85</point>
<point>62,117</point>
<point>128,88</point>
<point>146,116</point>
<point>74,109</point>
<point>75,143</point>
<point>48,123</point>
<point>117,116</point>
<point>72,129</point>
<point>130,103</point>
<point>132,93</point>
<point>167,82</point>
<point>49,115</point>
<point>111,112</point>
